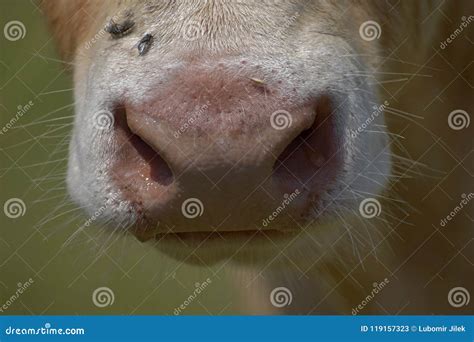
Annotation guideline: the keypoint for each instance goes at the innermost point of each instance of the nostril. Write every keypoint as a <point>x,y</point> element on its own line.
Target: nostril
<point>159,170</point>
<point>312,158</point>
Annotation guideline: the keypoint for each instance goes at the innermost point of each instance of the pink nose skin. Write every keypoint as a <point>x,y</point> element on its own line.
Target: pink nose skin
<point>216,150</point>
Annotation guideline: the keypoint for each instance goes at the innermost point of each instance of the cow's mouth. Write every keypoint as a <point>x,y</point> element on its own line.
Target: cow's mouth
<point>213,236</point>
<point>213,246</point>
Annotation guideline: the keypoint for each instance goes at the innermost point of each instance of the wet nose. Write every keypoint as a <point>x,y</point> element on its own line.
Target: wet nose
<point>233,145</point>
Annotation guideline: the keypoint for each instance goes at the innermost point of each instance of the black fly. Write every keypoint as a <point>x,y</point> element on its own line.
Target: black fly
<point>144,44</point>
<point>118,30</point>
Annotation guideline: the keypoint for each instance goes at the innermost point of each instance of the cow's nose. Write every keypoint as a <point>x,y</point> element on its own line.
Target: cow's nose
<point>221,150</point>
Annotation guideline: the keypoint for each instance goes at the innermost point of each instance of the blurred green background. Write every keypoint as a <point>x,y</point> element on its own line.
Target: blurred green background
<point>32,167</point>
